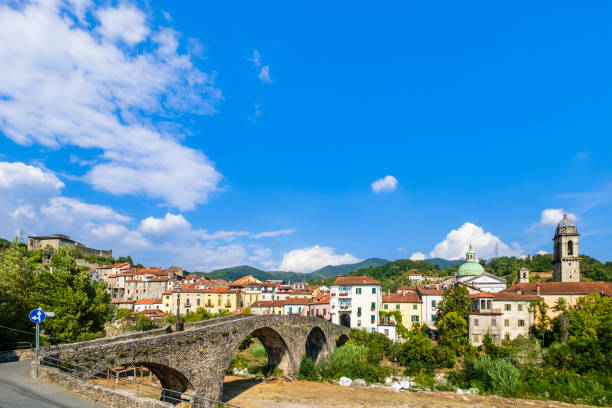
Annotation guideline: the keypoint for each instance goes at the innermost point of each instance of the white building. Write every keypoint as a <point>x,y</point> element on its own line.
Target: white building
<point>431,295</point>
<point>355,302</point>
<point>294,306</point>
<point>415,277</point>
<point>147,304</point>
<point>388,330</point>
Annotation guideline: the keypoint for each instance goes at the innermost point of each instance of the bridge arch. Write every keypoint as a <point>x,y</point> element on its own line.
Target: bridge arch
<point>173,381</point>
<point>316,343</point>
<point>278,352</point>
<point>341,340</point>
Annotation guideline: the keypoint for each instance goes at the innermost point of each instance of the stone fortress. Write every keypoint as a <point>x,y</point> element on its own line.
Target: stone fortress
<point>56,241</point>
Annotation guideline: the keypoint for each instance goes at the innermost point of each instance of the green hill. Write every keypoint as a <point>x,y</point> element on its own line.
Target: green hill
<point>445,263</point>
<point>394,274</point>
<point>236,272</point>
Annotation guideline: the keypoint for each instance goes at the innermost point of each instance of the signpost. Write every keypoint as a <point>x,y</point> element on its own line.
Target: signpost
<point>37,316</point>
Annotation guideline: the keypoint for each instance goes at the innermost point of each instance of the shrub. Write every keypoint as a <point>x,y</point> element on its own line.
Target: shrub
<point>494,376</point>
<point>258,351</point>
<point>308,370</point>
<point>351,361</point>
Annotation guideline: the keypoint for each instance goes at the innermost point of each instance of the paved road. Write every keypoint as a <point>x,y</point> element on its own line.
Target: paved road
<point>18,389</point>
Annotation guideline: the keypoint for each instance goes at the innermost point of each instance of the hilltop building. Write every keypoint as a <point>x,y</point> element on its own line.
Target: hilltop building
<point>56,241</point>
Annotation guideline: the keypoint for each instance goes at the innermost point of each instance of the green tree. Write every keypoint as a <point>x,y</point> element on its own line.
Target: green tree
<point>16,297</point>
<point>453,332</point>
<point>458,300</point>
<point>81,306</point>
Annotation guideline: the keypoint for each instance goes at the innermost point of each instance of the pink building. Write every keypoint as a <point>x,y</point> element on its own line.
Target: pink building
<point>318,307</point>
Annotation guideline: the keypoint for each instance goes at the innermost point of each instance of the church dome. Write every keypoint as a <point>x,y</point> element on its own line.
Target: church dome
<point>566,222</point>
<point>470,268</point>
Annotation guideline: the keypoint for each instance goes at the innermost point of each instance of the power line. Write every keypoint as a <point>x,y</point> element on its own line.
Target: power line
<point>34,334</point>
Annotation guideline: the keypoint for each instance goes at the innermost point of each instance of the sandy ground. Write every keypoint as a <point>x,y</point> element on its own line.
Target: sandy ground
<point>248,393</point>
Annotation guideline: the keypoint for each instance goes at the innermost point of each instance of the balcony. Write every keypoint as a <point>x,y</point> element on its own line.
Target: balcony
<point>486,311</point>
<point>344,307</point>
<point>343,294</point>
<point>228,305</point>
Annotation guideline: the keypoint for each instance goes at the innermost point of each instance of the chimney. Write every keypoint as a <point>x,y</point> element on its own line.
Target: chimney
<point>538,287</point>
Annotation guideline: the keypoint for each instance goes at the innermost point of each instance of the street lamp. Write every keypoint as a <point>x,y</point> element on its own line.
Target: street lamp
<point>178,308</point>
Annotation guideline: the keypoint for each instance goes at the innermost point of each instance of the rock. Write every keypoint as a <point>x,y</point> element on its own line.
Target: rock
<point>459,391</point>
<point>359,383</point>
<point>396,386</point>
<point>407,384</point>
<point>345,381</point>
<point>473,391</point>
<point>388,380</point>
<point>334,382</point>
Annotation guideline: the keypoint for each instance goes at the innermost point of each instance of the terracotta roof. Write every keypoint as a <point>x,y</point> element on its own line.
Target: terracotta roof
<point>121,265</point>
<point>482,295</point>
<point>151,301</point>
<point>431,289</point>
<point>151,313</point>
<point>300,292</point>
<point>560,288</point>
<point>216,289</point>
<point>355,280</point>
<point>298,301</point>
<point>159,279</point>
<point>320,300</point>
<point>122,301</point>
<point>514,296</point>
<point>410,297</point>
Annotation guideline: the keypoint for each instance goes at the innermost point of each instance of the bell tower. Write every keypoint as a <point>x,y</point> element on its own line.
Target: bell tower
<point>566,258</point>
<point>523,276</point>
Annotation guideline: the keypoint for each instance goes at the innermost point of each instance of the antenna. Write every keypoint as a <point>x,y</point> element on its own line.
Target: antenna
<point>21,234</point>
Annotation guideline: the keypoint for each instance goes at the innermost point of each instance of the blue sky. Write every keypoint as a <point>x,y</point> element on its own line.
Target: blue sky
<point>211,134</point>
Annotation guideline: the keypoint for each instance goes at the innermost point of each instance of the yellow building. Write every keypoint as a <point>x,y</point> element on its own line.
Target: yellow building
<point>214,300</point>
<point>409,304</point>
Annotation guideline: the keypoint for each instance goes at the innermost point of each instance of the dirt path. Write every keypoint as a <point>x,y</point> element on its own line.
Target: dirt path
<point>248,393</point>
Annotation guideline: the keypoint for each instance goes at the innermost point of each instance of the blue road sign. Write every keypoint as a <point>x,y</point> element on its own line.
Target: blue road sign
<point>37,316</point>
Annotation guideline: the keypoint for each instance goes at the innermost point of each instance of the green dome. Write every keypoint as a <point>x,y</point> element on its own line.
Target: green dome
<point>470,269</point>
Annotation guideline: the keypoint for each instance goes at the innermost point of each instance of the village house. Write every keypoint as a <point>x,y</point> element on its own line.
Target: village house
<point>408,304</point>
<point>430,295</point>
<point>503,315</point>
<point>266,307</point>
<point>147,304</point>
<point>267,290</point>
<point>295,306</point>
<point>318,307</point>
<point>214,300</point>
<point>355,302</point>
<point>415,277</point>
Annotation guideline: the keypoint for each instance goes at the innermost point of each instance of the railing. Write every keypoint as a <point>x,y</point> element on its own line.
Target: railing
<point>111,379</point>
<point>343,294</point>
<point>345,307</point>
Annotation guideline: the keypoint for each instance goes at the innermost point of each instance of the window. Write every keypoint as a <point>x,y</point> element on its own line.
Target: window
<point>506,323</point>
<point>397,307</point>
<point>358,311</point>
<point>373,318</point>
<point>433,303</point>
<point>508,307</point>
<point>415,318</point>
<point>198,302</point>
<point>373,291</point>
<point>476,338</point>
<point>475,322</point>
<point>414,307</point>
<point>494,323</point>
<point>521,323</point>
<point>386,306</point>
<point>520,307</point>
<point>570,247</point>
<point>290,310</point>
<point>324,312</point>
<point>373,305</point>
<point>488,304</point>
<point>386,332</point>
<point>358,291</point>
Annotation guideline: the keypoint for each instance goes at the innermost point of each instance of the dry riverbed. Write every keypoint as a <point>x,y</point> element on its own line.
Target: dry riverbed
<point>249,393</point>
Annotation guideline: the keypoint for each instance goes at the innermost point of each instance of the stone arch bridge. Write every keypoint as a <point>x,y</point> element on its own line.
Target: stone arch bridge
<point>195,360</point>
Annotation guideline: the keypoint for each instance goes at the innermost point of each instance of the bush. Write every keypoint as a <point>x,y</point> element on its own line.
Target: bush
<point>308,370</point>
<point>351,361</point>
<point>239,361</point>
<point>493,376</point>
<point>258,351</point>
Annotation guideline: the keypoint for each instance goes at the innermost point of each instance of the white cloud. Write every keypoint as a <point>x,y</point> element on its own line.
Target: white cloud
<point>417,256</point>
<point>97,94</point>
<point>124,23</point>
<point>484,243</point>
<point>224,235</point>
<point>313,258</point>
<point>385,184</point>
<point>20,176</point>
<point>551,217</point>
<point>276,233</point>
<point>70,210</point>
<point>542,252</point>
<point>255,59</point>
<point>171,222</point>
<point>264,74</point>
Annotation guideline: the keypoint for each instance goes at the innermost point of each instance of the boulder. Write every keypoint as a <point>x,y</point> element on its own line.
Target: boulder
<point>345,381</point>
<point>388,380</point>
<point>396,386</point>
<point>358,382</point>
<point>459,391</point>
<point>405,384</point>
